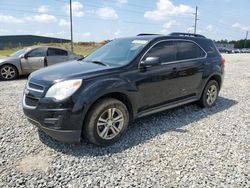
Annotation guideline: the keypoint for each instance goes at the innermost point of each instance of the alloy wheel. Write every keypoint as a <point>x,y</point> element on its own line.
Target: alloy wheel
<point>212,93</point>
<point>110,123</point>
<point>8,72</point>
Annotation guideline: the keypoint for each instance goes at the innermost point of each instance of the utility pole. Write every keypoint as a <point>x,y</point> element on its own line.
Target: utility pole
<point>245,44</point>
<point>71,24</point>
<point>195,19</point>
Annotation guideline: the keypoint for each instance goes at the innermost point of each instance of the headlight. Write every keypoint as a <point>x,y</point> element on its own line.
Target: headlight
<point>64,89</point>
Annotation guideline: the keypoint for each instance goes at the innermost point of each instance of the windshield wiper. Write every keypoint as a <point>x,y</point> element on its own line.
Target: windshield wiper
<point>99,62</point>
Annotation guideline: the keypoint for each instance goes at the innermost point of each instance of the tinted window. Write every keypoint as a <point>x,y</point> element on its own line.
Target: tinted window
<point>57,52</point>
<point>211,49</point>
<point>188,50</point>
<point>166,51</point>
<point>39,52</point>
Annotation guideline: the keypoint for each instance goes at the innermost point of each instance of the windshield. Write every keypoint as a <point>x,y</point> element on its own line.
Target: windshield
<point>117,52</point>
<point>18,53</point>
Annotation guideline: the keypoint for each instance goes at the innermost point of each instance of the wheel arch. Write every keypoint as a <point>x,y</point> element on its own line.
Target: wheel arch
<point>217,78</point>
<point>115,95</point>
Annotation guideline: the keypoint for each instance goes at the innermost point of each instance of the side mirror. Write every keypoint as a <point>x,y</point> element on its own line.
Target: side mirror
<point>81,57</point>
<point>24,56</point>
<point>151,61</point>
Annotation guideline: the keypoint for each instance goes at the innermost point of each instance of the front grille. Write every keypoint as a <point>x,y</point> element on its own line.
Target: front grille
<point>35,86</point>
<point>31,101</point>
<point>32,94</point>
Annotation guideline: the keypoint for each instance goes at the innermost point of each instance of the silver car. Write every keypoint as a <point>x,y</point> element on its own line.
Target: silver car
<point>32,58</point>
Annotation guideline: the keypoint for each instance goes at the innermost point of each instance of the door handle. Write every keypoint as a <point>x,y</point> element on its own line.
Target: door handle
<point>174,69</point>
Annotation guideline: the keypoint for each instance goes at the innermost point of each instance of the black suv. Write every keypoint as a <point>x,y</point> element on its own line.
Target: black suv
<point>128,78</point>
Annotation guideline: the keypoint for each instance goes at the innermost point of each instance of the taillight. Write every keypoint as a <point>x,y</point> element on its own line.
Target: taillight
<point>222,61</point>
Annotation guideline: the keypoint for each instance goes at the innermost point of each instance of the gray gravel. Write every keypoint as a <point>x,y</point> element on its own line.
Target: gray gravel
<point>185,147</point>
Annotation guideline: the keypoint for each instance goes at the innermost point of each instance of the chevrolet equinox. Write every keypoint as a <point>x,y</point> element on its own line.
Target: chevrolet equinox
<point>98,96</point>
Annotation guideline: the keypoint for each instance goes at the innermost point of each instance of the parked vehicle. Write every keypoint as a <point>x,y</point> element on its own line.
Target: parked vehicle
<point>236,51</point>
<point>32,58</point>
<point>245,50</point>
<point>125,79</point>
<point>225,50</point>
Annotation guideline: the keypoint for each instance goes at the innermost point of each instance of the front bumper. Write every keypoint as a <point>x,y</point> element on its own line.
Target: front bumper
<point>69,136</point>
<point>54,119</point>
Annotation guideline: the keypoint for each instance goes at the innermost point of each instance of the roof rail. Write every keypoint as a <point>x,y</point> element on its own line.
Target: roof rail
<point>143,34</point>
<point>187,35</point>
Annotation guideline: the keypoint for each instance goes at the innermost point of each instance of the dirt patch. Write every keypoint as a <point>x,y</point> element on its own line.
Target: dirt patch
<point>39,162</point>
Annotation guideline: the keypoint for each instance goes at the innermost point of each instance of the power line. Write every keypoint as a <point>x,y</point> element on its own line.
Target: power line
<point>221,27</point>
<point>122,21</point>
<point>96,6</point>
<point>220,32</point>
<point>61,1</point>
<point>85,18</point>
<point>131,4</point>
<point>215,22</point>
<point>30,11</point>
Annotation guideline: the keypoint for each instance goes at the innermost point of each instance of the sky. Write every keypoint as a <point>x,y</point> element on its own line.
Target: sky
<point>96,20</point>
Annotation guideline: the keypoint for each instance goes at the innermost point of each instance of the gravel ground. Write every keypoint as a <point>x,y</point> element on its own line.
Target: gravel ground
<point>184,147</point>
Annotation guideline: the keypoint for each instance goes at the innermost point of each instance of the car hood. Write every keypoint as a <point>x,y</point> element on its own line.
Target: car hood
<point>67,70</point>
<point>8,59</point>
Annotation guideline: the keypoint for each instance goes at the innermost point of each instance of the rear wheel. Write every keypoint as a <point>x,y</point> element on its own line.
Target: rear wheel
<point>106,122</point>
<point>210,94</point>
<point>8,72</point>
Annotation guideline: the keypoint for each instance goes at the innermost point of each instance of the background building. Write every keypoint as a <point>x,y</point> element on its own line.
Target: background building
<point>12,41</point>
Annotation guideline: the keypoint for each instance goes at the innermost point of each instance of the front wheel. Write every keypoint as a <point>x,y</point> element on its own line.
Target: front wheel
<point>106,122</point>
<point>210,94</point>
<point>8,72</point>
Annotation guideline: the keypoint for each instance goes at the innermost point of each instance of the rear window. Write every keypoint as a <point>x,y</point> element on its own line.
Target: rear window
<point>188,50</point>
<point>211,49</point>
<point>57,52</point>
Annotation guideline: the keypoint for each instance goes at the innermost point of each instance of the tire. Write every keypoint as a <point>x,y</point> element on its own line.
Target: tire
<point>8,72</point>
<point>210,94</point>
<point>102,126</point>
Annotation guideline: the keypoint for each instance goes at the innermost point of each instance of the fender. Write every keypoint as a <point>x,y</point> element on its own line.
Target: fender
<point>100,88</point>
<point>19,72</point>
<point>207,79</point>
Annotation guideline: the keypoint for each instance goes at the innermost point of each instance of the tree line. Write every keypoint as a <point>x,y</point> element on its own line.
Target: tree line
<point>237,43</point>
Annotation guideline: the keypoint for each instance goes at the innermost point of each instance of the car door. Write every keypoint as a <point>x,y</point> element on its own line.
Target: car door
<point>191,64</point>
<point>33,60</point>
<point>56,55</point>
<point>157,84</point>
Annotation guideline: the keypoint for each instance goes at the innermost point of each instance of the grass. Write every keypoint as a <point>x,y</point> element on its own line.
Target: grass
<point>7,51</point>
<point>78,48</point>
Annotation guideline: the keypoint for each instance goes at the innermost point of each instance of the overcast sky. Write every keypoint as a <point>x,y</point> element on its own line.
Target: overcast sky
<point>96,20</point>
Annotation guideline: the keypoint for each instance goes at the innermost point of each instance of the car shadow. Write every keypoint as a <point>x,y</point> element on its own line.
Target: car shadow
<point>23,77</point>
<point>143,129</point>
